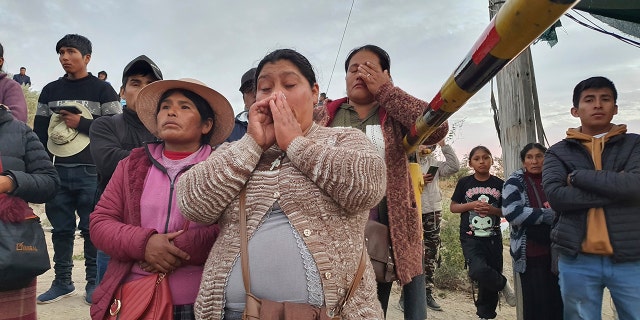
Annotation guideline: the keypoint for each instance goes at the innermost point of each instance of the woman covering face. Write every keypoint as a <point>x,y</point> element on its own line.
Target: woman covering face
<point>140,204</point>
<point>308,194</point>
<point>385,113</point>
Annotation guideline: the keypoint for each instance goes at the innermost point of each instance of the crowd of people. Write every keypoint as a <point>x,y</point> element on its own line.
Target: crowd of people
<point>162,185</point>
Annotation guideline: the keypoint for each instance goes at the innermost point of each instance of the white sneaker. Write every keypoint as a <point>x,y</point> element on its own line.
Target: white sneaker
<point>508,294</point>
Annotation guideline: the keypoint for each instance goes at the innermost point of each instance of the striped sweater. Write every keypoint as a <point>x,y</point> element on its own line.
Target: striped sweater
<point>517,209</point>
<point>325,185</point>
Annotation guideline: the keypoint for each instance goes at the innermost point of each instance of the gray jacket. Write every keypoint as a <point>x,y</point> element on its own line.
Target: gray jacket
<point>24,159</point>
<point>431,194</point>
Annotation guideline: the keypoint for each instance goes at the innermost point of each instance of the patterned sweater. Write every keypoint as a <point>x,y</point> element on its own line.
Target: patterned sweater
<point>325,185</point>
<point>399,110</point>
<point>518,211</point>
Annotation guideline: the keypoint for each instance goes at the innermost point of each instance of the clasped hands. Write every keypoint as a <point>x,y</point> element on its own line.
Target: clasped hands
<point>482,208</point>
<point>161,255</point>
<point>272,121</point>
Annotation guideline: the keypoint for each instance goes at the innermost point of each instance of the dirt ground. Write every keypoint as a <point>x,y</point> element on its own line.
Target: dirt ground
<point>455,304</point>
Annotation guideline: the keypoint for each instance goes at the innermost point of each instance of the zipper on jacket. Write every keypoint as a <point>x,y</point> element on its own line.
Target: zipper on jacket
<point>158,165</point>
<point>171,189</point>
<point>166,223</point>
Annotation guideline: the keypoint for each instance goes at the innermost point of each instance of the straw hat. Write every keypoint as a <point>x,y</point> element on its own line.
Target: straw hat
<point>149,96</point>
<point>64,141</point>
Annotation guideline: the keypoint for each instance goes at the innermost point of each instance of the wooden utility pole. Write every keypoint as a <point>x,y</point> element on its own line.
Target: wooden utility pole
<point>518,118</point>
<point>517,105</point>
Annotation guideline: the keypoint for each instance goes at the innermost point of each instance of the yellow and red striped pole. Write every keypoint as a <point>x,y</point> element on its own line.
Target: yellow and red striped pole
<point>515,26</point>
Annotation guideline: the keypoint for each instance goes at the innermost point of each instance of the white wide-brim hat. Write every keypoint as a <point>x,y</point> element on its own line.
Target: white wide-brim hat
<point>64,141</point>
<point>149,96</point>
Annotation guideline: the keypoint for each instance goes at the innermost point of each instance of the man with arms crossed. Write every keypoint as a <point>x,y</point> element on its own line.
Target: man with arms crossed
<point>592,180</point>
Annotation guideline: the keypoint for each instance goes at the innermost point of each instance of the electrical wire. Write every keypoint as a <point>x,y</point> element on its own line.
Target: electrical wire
<point>340,46</point>
<point>595,27</point>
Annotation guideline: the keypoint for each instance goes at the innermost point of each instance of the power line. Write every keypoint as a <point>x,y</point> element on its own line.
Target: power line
<point>595,27</point>
<point>340,46</point>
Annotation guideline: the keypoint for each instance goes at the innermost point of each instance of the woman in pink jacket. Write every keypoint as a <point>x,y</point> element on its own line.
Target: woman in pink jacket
<point>137,220</point>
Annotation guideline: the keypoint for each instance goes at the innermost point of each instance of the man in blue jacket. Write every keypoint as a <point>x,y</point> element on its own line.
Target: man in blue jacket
<point>592,180</point>
<point>248,90</point>
<point>22,78</point>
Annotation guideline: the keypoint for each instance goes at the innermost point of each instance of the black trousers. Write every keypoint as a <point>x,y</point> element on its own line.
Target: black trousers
<point>484,259</point>
<point>540,290</point>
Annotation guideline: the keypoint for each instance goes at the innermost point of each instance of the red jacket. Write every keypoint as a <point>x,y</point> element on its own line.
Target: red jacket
<point>118,213</point>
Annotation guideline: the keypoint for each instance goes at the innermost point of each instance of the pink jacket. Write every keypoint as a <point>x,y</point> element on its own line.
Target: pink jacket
<point>118,213</point>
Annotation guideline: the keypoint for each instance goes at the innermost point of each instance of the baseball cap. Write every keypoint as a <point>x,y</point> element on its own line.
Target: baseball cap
<point>247,79</point>
<point>141,64</point>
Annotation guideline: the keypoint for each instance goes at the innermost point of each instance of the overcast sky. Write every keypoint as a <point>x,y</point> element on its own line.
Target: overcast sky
<point>217,41</point>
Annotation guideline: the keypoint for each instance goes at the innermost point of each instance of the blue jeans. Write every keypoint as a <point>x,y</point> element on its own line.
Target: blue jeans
<point>583,278</point>
<point>102,260</point>
<point>76,195</point>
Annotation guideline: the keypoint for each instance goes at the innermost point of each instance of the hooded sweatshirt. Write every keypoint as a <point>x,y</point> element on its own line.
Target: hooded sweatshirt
<point>597,239</point>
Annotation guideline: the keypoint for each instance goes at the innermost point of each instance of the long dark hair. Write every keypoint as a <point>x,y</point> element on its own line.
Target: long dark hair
<point>300,61</point>
<point>525,149</point>
<point>475,149</point>
<point>383,56</point>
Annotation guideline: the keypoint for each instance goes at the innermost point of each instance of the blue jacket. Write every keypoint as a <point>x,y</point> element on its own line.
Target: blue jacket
<point>22,80</point>
<point>240,127</point>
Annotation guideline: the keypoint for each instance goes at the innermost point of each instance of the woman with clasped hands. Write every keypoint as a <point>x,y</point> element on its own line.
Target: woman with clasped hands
<point>308,194</point>
<point>137,221</point>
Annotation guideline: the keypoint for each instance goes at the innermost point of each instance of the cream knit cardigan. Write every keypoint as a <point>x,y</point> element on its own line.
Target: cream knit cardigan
<point>326,185</point>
